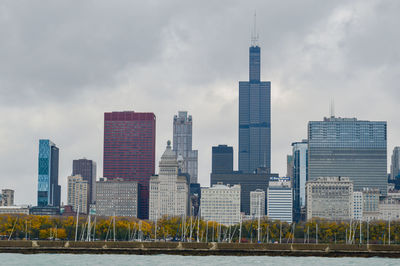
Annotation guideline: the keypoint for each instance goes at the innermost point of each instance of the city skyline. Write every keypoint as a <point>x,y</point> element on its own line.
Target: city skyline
<point>184,64</point>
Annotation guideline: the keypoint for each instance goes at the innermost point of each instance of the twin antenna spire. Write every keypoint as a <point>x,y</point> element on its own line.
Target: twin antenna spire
<point>254,33</point>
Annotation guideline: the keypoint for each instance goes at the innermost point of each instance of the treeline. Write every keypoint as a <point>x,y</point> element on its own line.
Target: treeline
<point>193,229</point>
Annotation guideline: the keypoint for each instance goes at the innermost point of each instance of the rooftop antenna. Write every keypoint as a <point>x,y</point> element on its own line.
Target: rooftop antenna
<point>332,108</point>
<point>254,33</point>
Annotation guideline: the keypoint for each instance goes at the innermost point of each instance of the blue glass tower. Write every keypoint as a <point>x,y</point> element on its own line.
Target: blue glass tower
<point>300,176</point>
<point>350,148</point>
<point>254,117</point>
<point>49,192</point>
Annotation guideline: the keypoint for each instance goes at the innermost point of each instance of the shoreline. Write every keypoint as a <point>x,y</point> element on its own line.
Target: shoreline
<point>199,249</point>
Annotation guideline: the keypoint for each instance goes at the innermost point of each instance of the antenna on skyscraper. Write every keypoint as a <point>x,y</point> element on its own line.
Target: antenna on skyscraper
<point>254,33</point>
<point>332,108</point>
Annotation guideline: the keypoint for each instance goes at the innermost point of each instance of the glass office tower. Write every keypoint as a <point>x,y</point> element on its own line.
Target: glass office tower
<point>49,192</point>
<point>300,177</point>
<point>254,118</point>
<point>351,148</point>
<point>222,159</point>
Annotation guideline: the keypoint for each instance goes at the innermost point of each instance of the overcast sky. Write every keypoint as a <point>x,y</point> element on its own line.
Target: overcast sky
<point>64,63</point>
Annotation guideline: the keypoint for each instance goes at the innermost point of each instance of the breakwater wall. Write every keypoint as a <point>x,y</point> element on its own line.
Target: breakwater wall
<point>199,249</point>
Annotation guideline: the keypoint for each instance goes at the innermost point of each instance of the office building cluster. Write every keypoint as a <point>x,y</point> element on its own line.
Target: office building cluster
<point>339,172</point>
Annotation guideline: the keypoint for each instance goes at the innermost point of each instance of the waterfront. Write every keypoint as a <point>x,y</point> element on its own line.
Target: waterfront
<point>85,259</point>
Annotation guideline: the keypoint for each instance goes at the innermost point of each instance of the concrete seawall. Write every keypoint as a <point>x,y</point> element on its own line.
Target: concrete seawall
<point>200,249</point>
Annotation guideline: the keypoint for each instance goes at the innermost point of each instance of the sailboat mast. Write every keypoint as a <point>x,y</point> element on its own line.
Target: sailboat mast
<point>77,220</point>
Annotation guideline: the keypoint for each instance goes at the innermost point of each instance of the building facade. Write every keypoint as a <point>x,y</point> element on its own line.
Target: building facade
<point>221,204</point>
<point>87,169</point>
<point>395,164</point>
<point>78,190</point>
<point>280,200</point>
<point>289,166</point>
<point>248,182</point>
<point>129,150</point>
<point>389,209</point>
<point>254,117</point>
<point>7,197</point>
<point>169,191</point>
<point>330,198</point>
<point>117,197</point>
<point>357,205</point>
<point>371,198</point>
<point>14,209</point>
<point>300,176</point>
<point>182,145</point>
<point>348,147</point>
<point>222,159</point>
<point>194,198</point>
<point>257,203</point>
<point>49,192</point>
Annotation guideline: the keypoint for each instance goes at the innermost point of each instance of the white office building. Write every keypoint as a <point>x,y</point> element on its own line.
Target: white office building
<point>257,203</point>
<point>357,205</point>
<point>389,209</point>
<point>221,204</point>
<point>169,191</point>
<point>371,198</point>
<point>24,209</point>
<point>78,190</point>
<point>116,197</point>
<point>330,198</point>
<point>280,200</point>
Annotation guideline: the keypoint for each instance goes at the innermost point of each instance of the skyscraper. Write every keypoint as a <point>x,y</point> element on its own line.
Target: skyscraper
<point>351,148</point>
<point>280,199</point>
<point>222,159</point>
<point>299,176</point>
<point>49,192</point>
<point>129,150</point>
<point>182,145</point>
<point>87,169</point>
<point>169,191</point>
<point>395,165</point>
<point>254,117</point>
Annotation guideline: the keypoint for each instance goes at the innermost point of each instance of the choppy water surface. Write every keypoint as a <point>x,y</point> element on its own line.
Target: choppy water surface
<point>114,260</point>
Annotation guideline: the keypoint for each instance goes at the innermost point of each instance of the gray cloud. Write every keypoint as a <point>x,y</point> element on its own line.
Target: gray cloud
<point>64,63</point>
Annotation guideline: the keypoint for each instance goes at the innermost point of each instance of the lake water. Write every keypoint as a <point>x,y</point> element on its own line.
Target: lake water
<point>114,260</point>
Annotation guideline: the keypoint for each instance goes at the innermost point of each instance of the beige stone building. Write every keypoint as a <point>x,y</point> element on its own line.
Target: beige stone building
<point>7,197</point>
<point>78,189</point>
<point>169,191</point>
<point>221,204</point>
<point>330,198</point>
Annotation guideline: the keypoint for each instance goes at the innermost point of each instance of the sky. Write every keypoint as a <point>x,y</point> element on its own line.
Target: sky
<point>64,63</point>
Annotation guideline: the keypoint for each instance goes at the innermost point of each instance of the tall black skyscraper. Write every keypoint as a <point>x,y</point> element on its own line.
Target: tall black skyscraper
<point>87,169</point>
<point>222,159</point>
<point>254,117</point>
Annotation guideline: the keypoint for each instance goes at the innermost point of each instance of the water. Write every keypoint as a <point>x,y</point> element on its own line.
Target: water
<point>114,260</point>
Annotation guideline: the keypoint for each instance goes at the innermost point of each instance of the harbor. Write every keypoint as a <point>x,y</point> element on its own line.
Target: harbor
<point>199,249</point>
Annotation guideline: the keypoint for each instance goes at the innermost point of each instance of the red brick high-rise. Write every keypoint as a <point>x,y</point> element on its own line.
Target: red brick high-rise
<point>129,150</point>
